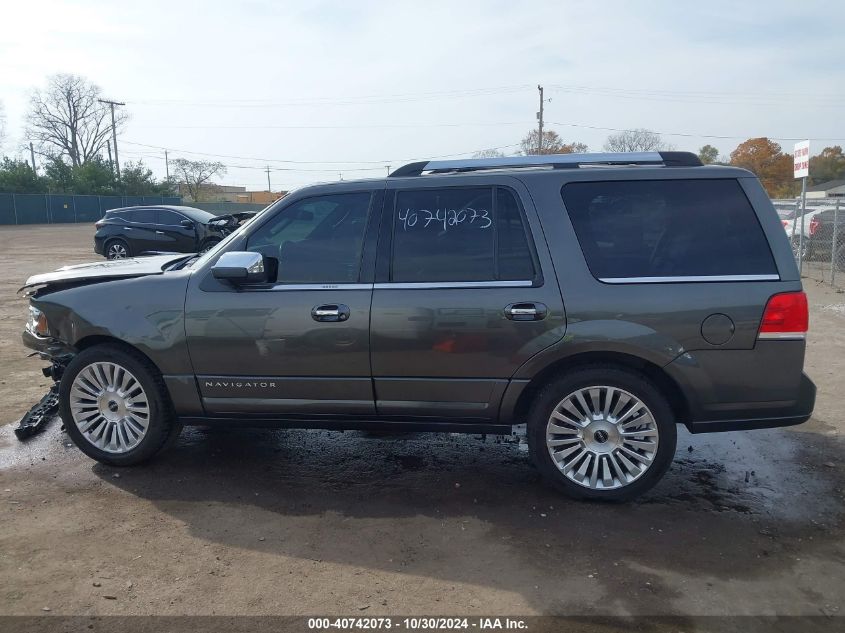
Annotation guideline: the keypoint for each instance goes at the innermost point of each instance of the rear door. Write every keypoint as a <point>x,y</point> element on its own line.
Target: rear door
<point>464,294</point>
<point>140,230</point>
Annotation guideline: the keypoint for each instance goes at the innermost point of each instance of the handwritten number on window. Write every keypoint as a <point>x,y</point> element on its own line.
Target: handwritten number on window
<point>446,218</point>
<point>409,219</point>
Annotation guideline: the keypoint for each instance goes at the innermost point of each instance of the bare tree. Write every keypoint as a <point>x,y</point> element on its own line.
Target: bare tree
<point>552,144</point>
<point>488,153</point>
<point>196,173</point>
<point>639,140</point>
<point>66,119</point>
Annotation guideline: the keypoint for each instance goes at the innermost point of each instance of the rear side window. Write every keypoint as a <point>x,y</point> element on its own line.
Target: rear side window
<point>667,228</point>
<point>459,234</point>
<point>144,216</point>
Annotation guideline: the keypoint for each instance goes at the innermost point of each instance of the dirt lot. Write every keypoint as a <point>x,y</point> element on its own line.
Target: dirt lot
<point>295,522</point>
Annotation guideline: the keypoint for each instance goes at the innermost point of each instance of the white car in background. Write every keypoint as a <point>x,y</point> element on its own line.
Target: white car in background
<point>787,212</point>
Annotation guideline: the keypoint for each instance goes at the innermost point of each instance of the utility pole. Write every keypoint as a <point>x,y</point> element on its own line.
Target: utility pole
<point>114,132</point>
<point>111,164</point>
<point>540,123</point>
<point>269,188</point>
<point>32,156</point>
<point>166,166</point>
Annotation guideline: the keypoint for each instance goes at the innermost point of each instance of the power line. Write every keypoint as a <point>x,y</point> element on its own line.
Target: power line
<point>314,162</point>
<point>694,135</point>
<point>352,100</point>
<point>764,99</point>
<point>329,127</point>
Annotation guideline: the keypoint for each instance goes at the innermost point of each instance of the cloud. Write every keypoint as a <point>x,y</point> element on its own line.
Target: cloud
<point>718,68</point>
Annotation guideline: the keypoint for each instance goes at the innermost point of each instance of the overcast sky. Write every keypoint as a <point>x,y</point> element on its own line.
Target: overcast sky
<point>351,87</point>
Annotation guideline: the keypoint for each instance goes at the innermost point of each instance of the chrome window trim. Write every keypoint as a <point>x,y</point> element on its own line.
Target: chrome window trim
<point>687,279</point>
<point>340,286</point>
<point>435,285</point>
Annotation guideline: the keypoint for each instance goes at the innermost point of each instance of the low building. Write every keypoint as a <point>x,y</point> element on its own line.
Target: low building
<point>829,189</point>
<point>210,192</point>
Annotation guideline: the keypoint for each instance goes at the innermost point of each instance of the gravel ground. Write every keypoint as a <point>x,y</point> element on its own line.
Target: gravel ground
<point>316,522</point>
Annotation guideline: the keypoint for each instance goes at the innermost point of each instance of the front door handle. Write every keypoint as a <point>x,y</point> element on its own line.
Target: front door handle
<point>159,232</point>
<point>526,311</point>
<point>330,312</point>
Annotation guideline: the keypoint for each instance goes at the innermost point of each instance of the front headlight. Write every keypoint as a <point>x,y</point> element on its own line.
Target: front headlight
<point>37,322</point>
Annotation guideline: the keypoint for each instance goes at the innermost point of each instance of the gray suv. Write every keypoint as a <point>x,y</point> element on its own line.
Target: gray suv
<point>600,299</point>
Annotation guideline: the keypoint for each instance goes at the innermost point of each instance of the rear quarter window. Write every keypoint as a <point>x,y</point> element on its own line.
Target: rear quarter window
<point>667,228</point>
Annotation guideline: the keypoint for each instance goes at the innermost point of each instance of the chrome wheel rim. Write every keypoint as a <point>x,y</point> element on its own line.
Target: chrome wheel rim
<point>602,437</point>
<point>109,407</point>
<point>117,251</point>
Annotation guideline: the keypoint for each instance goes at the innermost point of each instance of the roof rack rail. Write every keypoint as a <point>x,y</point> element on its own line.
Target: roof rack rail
<point>556,161</point>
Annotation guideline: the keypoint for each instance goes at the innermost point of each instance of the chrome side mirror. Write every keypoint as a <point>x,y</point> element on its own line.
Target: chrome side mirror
<point>240,267</point>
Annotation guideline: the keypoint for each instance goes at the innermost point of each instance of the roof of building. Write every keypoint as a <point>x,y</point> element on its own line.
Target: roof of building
<point>826,186</point>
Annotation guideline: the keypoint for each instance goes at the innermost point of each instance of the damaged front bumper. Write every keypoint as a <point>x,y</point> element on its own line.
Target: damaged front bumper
<point>48,348</point>
<point>59,355</point>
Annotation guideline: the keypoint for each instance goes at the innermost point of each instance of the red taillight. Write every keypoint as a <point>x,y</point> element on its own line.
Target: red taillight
<point>785,223</point>
<point>814,226</point>
<point>786,316</point>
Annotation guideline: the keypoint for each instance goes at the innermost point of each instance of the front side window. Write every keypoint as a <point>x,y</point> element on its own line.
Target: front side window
<point>317,240</point>
<point>459,234</point>
<point>169,218</point>
<point>667,228</point>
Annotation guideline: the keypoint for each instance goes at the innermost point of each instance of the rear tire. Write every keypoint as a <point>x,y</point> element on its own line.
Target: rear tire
<point>117,249</point>
<point>115,406</point>
<point>611,442</point>
<point>798,245</point>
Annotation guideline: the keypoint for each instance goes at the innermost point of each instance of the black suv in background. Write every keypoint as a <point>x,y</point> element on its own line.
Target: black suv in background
<point>170,229</point>
<point>599,299</point>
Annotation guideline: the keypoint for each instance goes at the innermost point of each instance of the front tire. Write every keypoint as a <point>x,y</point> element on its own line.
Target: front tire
<point>115,406</point>
<point>601,433</point>
<point>209,244</point>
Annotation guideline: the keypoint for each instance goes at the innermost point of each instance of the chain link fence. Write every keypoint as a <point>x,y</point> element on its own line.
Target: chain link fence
<point>817,237</point>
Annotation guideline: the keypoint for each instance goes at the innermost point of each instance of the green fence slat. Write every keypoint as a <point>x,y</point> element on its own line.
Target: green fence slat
<point>61,209</point>
<point>7,209</point>
<point>87,208</point>
<point>32,208</point>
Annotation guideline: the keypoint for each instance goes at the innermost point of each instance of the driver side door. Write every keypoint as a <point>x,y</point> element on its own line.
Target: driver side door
<point>299,344</point>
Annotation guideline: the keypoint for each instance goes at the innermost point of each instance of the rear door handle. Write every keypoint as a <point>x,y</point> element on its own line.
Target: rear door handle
<point>526,311</point>
<point>330,312</point>
<point>159,232</point>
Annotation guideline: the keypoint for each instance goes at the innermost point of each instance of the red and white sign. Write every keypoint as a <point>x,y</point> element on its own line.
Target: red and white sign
<point>801,159</point>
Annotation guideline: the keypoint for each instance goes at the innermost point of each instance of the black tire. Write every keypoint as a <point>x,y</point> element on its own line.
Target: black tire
<point>209,244</point>
<point>162,427</point>
<point>115,243</point>
<point>548,398</point>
